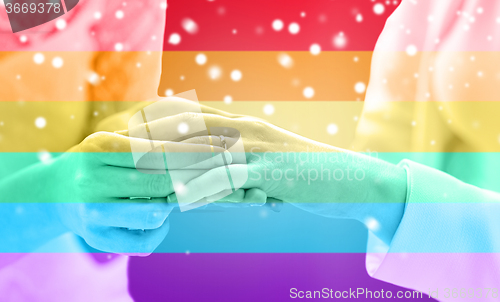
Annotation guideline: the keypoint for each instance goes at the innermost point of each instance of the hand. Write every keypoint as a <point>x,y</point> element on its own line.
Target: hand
<point>93,185</point>
<point>171,106</point>
<point>120,120</point>
<point>310,175</point>
<point>259,137</point>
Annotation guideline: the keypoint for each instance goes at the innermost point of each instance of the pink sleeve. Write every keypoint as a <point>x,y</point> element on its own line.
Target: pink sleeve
<point>131,25</point>
<point>93,25</point>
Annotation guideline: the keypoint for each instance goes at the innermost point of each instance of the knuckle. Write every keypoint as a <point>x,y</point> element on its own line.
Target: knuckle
<point>93,142</point>
<point>158,184</point>
<point>153,221</point>
<point>148,246</point>
<point>188,117</point>
<point>82,182</point>
<point>156,217</point>
<point>201,140</point>
<point>91,238</point>
<point>91,211</point>
<point>220,173</point>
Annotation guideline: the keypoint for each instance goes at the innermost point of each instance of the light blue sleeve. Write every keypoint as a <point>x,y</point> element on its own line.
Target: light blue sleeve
<point>448,241</point>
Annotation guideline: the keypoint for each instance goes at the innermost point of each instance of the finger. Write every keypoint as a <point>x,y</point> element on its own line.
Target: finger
<point>169,106</point>
<point>255,197</point>
<point>210,110</point>
<point>112,149</point>
<point>173,105</point>
<point>215,181</point>
<point>198,160</point>
<point>177,156</point>
<point>121,182</point>
<point>117,150</point>
<point>240,198</point>
<point>124,241</point>
<point>133,214</point>
<point>275,205</point>
<point>193,124</point>
<point>237,151</point>
<point>198,204</point>
<point>117,182</point>
<point>214,140</point>
<point>227,197</point>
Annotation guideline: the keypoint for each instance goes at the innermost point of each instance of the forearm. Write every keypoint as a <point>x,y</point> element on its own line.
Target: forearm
<point>27,211</point>
<point>343,184</point>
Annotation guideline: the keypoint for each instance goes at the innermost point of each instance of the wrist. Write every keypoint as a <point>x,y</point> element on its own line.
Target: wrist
<point>29,215</point>
<point>52,195</point>
<point>385,207</point>
<point>55,195</point>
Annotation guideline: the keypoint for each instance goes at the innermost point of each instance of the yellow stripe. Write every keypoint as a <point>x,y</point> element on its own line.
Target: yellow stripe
<point>473,123</point>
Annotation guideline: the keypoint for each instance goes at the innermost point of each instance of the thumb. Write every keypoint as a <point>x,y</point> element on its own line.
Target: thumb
<point>230,177</point>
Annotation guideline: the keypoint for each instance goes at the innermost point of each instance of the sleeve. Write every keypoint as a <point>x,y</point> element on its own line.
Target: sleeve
<point>448,239</point>
<point>128,69</point>
<point>400,87</point>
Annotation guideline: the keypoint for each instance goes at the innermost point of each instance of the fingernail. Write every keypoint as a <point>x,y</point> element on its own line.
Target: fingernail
<point>228,157</point>
<point>275,204</point>
<point>152,218</point>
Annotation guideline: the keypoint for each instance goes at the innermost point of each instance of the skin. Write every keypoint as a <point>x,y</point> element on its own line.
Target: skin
<point>379,195</point>
<point>86,191</point>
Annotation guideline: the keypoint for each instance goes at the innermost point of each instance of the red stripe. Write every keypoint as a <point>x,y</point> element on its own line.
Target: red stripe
<point>323,20</point>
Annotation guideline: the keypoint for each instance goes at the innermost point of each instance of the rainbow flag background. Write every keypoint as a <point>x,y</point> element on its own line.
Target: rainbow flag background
<point>301,65</point>
<point>256,254</point>
<point>304,66</point>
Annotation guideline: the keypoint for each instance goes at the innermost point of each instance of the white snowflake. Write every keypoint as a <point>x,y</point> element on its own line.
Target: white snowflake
<point>40,122</point>
<point>268,109</point>
<point>57,62</point>
<point>228,99</point>
<point>60,24</point>
<point>332,129</point>
<point>308,92</point>
<point>285,60</point>
<point>360,87</point>
<point>174,39</point>
<point>315,49</point>
<point>294,28</point>
<point>38,58</point>
<point>411,50</point>
<point>236,75</point>
<point>201,59</point>
<point>118,46</point>
<point>378,8</point>
<point>190,26</point>
<point>183,128</point>
<point>340,40</point>
<point>214,72</point>
<point>372,224</point>
<point>119,14</point>
<point>277,25</point>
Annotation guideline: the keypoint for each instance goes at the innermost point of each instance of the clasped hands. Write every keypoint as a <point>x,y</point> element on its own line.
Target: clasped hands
<point>99,190</point>
<point>104,201</point>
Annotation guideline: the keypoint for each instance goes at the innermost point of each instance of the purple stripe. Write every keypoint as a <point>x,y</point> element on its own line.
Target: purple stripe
<point>247,277</point>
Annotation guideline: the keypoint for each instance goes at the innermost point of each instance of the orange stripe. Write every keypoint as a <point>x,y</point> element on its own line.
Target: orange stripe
<point>332,75</point>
